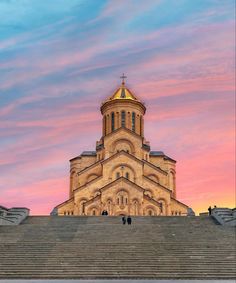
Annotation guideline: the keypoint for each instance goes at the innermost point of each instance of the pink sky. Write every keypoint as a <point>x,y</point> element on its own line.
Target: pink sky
<point>56,71</point>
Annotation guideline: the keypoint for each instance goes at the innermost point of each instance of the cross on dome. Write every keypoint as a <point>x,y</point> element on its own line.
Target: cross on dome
<point>123,77</point>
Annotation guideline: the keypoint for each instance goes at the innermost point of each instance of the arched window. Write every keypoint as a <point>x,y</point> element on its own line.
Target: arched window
<point>127,175</point>
<point>150,213</point>
<point>135,207</point>
<point>112,121</point>
<point>133,121</point>
<point>117,175</point>
<point>122,198</point>
<point>94,212</point>
<point>122,118</point>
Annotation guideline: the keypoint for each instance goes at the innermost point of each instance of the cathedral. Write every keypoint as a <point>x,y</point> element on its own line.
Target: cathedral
<point>123,176</point>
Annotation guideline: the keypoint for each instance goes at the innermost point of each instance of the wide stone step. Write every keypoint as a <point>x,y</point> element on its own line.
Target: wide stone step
<point>101,247</point>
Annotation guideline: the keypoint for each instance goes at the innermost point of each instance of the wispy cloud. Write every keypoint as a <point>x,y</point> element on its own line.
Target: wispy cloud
<point>58,62</point>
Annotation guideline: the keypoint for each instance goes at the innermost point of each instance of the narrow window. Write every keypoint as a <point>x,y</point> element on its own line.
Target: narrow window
<point>133,121</point>
<point>122,118</point>
<point>105,125</point>
<point>117,175</point>
<point>126,201</point>
<point>122,200</point>
<point>112,121</point>
<point>127,175</point>
<point>117,200</point>
<point>94,212</point>
<point>141,128</point>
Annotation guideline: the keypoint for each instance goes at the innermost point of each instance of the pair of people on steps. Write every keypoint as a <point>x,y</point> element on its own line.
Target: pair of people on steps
<point>129,220</point>
<point>210,209</point>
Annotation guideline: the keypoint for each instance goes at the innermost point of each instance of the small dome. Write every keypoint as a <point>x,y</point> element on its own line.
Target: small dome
<point>123,93</point>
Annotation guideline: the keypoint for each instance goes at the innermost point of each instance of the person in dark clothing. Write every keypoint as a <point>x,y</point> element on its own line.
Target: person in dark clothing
<point>209,210</point>
<point>123,220</point>
<point>129,220</point>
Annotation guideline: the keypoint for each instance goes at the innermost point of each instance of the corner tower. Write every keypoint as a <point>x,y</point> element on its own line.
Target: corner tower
<point>122,176</point>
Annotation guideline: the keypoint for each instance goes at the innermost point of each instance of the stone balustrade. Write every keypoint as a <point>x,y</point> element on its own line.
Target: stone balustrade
<point>13,216</point>
<point>225,216</point>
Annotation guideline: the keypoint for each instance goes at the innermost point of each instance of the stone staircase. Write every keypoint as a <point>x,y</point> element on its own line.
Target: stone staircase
<point>45,247</point>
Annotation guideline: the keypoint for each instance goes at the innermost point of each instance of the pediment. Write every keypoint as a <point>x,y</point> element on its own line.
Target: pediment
<point>121,181</point>
<point>121,130</point>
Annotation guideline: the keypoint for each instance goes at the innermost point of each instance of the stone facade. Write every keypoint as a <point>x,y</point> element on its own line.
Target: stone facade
<point>123,176</point>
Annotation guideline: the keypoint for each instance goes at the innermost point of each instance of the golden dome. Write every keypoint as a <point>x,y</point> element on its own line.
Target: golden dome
<point>123,93</point>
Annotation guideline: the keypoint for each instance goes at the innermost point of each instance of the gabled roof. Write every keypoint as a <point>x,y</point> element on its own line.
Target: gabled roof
<point>157,153</point>
<point>179,202</point>
<point>127,130</point>
<point>155,202</point>
<point>162,154</point>
<point>107,186</point>
<point>163,187</point>
<point>127,154</point>
<point>124,180</point>
<point>92,200</point>
<point>85,153</point>
<point>66,201</point>
<point>82,186</point>
<point>88,153</point>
